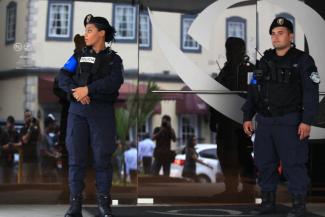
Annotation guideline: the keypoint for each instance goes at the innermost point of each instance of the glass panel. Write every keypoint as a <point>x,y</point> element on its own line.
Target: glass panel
<point>202,59</point>
<point>178,92</point>
<point>184,63</point>
<point>34,156</point>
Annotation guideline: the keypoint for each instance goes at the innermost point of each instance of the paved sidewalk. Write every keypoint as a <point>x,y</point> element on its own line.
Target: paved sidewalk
<point>132,210</point>
<point>35,211</point>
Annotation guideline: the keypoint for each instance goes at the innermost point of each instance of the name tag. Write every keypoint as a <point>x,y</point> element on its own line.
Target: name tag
<point>87,59</point>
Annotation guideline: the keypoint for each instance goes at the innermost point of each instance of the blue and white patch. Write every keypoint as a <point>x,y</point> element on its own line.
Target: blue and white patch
<point>250,77</point>
<point>314,76</point>
<point>87,59</point>
<point>71,65</point>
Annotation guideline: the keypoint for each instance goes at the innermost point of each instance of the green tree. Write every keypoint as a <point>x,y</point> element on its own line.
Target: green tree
<point>138,108</point>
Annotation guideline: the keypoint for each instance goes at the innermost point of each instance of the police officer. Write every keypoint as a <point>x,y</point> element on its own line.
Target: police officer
<point>284,96</point>
<point>92,78</point>
<point>232,142</point>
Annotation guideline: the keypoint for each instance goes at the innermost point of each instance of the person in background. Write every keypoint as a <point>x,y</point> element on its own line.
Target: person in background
<point>131,162</point>
<point>29,136</point>
<point>7,156</point>
<point>48,151</point>
<point>11,130</point>
<point>191,158</point>
<point>233,145</point>
<point>146,147</point>
<point>162,152</point>
<point>64,100</point>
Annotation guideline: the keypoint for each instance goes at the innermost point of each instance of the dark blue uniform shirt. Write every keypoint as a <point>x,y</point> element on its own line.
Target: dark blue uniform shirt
<point>103,74</point>
<point>288,84</point>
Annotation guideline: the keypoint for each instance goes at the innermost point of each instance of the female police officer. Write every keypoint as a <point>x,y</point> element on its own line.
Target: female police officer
<point>92,78</point>
<point>285,98</point>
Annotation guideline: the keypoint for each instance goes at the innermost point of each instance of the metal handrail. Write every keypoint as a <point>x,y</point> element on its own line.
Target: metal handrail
<point>206,92</point>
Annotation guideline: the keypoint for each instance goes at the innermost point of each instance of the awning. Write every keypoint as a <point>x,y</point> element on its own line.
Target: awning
<point>128,88</point>
<point>185,103</point>
<point>191,104</point>
<point>45,89</point>
<point>46,95</point>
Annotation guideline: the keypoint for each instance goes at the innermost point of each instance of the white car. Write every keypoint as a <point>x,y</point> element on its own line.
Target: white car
<point>208,154</point>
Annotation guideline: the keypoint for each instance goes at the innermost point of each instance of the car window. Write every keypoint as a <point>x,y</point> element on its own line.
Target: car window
<point>209,153</point>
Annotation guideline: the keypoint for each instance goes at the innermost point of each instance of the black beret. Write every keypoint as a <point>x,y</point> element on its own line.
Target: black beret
<point>102,24</point>
<point>98,21</point>
<point>281,21</point>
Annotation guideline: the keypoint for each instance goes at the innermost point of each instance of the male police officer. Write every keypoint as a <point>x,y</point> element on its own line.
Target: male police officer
<point>232,142</point>
<point>92,77</point>
<point>284,94</point>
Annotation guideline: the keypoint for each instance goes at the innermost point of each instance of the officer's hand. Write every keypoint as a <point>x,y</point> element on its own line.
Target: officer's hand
<point>85,100</point>
<point>303,131</point>
<point>80,92</point>
<point>248,127</point>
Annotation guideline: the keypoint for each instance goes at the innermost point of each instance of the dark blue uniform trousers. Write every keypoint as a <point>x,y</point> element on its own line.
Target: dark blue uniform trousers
<point>277,140</point>
<point>95,131</point>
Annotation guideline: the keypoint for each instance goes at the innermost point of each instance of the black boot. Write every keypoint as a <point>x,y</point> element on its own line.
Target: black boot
<point>298,206</point>
<point>268,204</point>
<point>75,206</point>
<point>104,205</point>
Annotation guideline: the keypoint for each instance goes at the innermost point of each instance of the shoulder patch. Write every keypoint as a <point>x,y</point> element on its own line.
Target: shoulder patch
<point>314,76</point>
<point>71,65</point>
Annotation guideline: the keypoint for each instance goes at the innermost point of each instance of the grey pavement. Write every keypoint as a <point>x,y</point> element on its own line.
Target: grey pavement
<point>59,210</point>
<point>35,211</point>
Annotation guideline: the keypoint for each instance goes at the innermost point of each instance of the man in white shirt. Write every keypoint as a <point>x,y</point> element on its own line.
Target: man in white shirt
<point>131,162</point>
<point>146,147</point>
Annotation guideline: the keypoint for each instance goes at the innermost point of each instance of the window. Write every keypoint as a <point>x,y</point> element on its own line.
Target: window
<point>59,25</point>
<point>236,27</point>
<point>145,32</point>
<point>209,153</point>
<point>124,21</point>
<point>11,22</point>
<point>187,42</point>
<point>188,127</point>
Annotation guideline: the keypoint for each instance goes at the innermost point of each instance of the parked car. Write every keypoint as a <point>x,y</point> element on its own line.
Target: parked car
<point>208,154</point>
